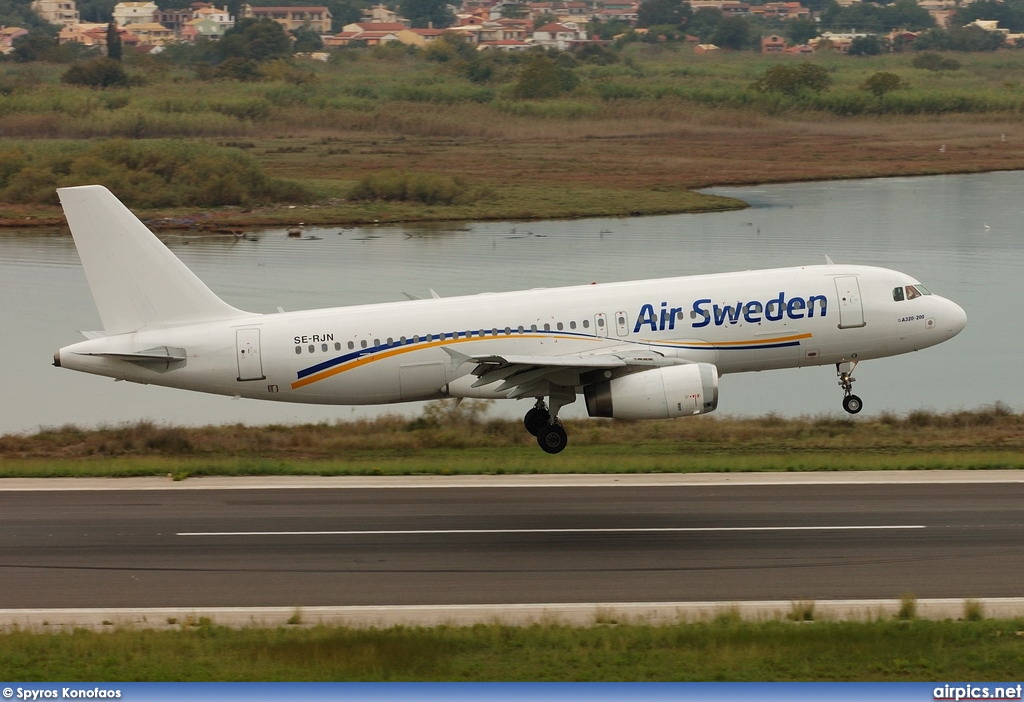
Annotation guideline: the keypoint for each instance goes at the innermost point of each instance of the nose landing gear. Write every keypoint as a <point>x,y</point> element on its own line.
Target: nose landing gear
<point>851,403</point>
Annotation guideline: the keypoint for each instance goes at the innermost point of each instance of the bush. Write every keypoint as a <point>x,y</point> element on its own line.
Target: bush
<point>878,84</point>
<point>934,62</point>
<point>99,73</point>
<point>161,173</point>
<point>793,80</point>
<point>426,188</point>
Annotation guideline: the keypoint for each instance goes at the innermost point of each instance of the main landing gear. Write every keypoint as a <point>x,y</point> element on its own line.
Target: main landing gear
<point>851,403</point>
<point>547,428</point>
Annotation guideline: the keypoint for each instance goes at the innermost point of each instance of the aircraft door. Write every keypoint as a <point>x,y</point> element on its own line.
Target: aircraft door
<point>250,362</point>
<point>851,309</point>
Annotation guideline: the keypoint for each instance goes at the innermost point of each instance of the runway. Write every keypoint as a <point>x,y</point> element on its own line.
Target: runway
<point>501,540</point>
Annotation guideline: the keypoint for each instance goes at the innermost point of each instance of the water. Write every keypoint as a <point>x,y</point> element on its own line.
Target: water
<point>959,235</point>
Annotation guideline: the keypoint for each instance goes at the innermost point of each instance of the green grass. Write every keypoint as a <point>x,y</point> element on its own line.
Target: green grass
<point>450,440</point>
<point>725,649</point>
<point>643,458</point>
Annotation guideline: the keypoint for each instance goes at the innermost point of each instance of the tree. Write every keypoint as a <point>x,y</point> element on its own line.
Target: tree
<point>256,40</point>
<point>972,38</point>
<point>878,84</point>
<point>704,22</point>
<point>37,45</point>
<point>307,40</point>
<point>113,42</point>
<point>1010,15</point>
<point>800,30</point>
<point>732,33</point>
<point>426,13</point>
<point>653,12</point>
<point>870,45</point>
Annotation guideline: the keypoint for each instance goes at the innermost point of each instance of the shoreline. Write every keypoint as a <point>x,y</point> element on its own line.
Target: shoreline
<point>229,219</point>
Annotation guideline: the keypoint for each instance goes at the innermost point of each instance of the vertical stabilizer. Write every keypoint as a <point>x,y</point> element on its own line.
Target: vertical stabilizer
<point>136,281</point>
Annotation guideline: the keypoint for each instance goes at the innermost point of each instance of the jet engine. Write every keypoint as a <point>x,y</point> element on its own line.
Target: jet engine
<point>659,393</point>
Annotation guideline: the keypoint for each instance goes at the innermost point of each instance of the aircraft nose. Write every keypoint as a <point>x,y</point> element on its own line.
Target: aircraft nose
<point>955,318</point>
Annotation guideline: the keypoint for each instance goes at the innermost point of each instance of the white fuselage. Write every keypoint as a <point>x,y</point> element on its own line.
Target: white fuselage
<point>394,352</point>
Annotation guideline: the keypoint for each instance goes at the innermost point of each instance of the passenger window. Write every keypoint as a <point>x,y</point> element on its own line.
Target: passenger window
<point>572,325</point>
<point>351,345</point>
<point>298,349</point>
<point>323,347</point>
<point>312,349</point>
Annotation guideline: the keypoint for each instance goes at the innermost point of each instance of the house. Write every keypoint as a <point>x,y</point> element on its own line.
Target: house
<point>780,10</point>
<point>7,37</point>
<point>727,7</point>
<point>152,33</point>
<point>220,17</point>
<point>379,14</point>
<point>558,35</point>
<point>60,12</point>
<point>419,37</point>
<point>315,18</point>
<point>365,34</point>
<point>505,30</point>
<point>504,45</point>
<point>126,13</point>
<point>85,33</point>
<point>835,41</point>
<point>773,44</point>
<point>202,28</point>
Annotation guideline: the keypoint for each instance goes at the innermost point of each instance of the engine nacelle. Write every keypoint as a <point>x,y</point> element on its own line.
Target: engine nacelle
<point>658,393</point>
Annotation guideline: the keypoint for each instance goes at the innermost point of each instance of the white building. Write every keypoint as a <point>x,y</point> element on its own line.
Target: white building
<point>126,13</point>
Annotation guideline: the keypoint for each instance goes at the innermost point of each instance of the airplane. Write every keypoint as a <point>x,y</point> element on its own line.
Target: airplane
<point>647,349</point>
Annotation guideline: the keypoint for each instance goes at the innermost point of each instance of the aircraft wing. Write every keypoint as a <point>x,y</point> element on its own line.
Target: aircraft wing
<point>532,376</point>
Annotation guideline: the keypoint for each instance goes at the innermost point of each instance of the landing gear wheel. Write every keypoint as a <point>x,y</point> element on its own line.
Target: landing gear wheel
<point>552,438</point>
<point>536,419</point>
<point>852,404</point>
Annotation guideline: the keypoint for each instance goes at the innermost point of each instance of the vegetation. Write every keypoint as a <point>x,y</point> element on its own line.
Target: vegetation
<point>159,173</point>
<point>600,132</point>
<point>724,649</point>
<point>448,439</point>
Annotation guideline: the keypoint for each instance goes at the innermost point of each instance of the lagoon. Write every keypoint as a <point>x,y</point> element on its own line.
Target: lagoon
<point>959,235</point>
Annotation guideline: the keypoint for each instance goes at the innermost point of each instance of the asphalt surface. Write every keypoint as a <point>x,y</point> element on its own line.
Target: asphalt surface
<point>506,541</point>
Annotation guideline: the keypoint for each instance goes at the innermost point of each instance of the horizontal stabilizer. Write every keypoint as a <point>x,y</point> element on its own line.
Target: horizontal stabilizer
<point>159,356</point>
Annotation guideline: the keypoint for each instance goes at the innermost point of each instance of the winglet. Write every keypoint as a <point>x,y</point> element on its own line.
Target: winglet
<point>136,281</point>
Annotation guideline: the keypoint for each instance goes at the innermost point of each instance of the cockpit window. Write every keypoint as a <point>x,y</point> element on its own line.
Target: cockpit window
<point>909,292</point>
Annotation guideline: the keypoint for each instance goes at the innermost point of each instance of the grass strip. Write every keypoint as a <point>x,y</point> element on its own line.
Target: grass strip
<point>723,649</point>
